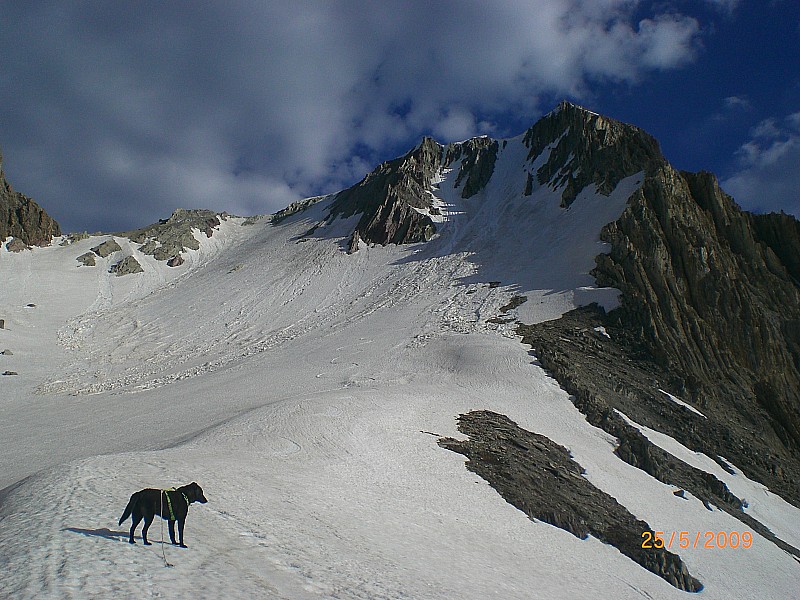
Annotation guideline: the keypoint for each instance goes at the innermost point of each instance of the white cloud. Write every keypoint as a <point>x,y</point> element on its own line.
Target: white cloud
<point>769,177</point>
<point>736,103</point>
<point>455,124</point>
<point>667,41</point>
<point>726,6</point>
<point>766,130</point>
<point>248,94</point>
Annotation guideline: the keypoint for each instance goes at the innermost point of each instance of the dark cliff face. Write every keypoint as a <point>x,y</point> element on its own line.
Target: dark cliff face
<point>710,293</point>
<point>22,218</point>
<point>710,299</point>
<point>588,148</point>
<point>781,232</point>
<point>396,199</point>
<point>388,196</point>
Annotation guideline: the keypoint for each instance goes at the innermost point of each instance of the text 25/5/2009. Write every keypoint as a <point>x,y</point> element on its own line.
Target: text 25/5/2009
<point>699,539</point>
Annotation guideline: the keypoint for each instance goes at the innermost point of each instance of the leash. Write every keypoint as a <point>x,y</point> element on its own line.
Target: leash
<point>162,494</point>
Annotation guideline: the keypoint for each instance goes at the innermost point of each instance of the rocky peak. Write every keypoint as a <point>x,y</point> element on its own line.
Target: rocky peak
<point>583,147</point>
<point>388,196</point>
<point>588,148</point>
<point>479,157</point>
<point>394,198</point>
<point>22,218</point>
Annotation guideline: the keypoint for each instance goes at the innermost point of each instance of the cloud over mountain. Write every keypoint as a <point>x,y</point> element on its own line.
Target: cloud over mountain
<point>111,112</point>
<point>769,161</point>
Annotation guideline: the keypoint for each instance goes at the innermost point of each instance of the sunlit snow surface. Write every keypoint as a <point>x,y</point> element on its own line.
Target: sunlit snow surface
<point>300,386</point>
<point>677,400</point>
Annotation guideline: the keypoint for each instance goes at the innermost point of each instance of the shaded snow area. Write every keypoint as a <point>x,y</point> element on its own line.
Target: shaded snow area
<point>305,390</point>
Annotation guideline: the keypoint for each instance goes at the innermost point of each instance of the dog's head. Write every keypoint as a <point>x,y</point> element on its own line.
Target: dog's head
<point>195,493</point>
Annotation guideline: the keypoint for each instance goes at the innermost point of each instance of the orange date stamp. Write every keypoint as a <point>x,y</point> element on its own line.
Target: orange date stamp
<point>699,539</point>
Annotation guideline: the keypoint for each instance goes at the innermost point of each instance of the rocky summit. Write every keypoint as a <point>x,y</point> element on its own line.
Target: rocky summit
<point>395,200</point>
<point>23,219</point>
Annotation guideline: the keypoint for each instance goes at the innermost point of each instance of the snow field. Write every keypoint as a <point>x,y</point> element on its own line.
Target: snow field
<point>304,390</point>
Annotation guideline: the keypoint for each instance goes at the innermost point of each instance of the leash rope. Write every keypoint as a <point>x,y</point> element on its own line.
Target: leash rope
<point>163,553</point>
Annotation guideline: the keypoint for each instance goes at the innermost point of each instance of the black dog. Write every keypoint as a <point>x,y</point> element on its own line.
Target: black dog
<point>172,505</point>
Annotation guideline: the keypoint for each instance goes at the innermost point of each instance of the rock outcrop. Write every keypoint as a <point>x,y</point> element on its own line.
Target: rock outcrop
<point>169,237</point>
<point>17,245</point>
<point>107,248</point>
<point>127,266</point>
<point>541,479</point>
<point>395,200</point>
<point>292,209</point>
<point>87,259</point>
<point>479,157</point>
<point>175,261</point>
<point>22,218</point>
<point>588,148</point>
<point>392,198</point>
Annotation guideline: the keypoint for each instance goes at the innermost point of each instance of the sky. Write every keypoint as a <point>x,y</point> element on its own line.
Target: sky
<point>114,114</point>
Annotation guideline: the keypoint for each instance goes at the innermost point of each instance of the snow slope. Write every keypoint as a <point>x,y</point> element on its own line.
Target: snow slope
<point>304,389</point>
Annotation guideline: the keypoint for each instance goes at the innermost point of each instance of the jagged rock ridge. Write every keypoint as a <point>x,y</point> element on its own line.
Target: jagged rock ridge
<point>588,148</point>
<point>22,218</point>
<point>395,200</point>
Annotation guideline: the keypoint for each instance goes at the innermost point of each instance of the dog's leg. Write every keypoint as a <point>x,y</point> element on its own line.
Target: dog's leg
<point>136,520</point>
<point>181,522</point>
<point>147,520</point>
<point>172,533</point>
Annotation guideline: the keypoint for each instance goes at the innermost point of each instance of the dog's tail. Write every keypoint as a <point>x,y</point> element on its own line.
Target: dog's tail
<point>129,509</point>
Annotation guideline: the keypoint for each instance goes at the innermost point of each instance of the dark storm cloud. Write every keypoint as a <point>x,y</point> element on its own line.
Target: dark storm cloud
<point>114,114</point>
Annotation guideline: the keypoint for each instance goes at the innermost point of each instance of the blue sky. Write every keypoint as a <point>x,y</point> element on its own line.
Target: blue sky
<point>114,114</point>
